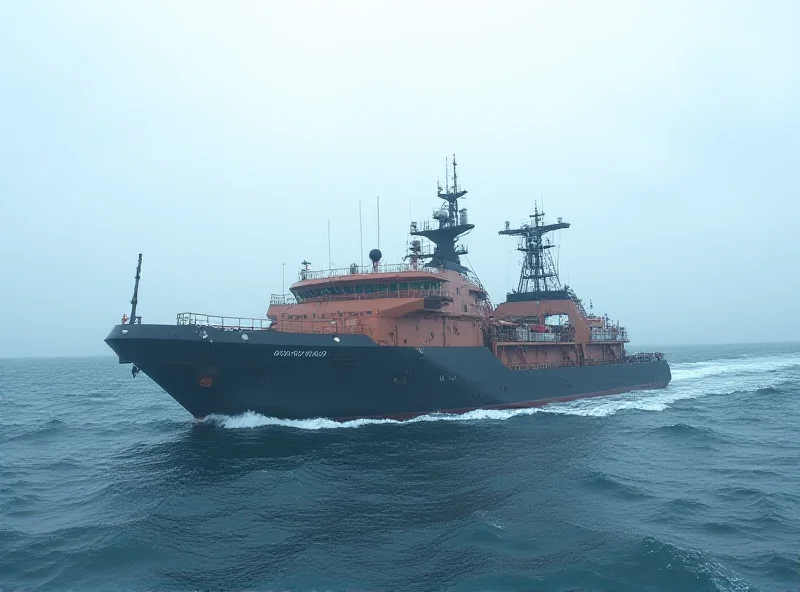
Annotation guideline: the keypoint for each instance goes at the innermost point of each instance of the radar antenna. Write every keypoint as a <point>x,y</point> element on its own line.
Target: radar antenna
<point>452,223</point>
<point>539,273</point>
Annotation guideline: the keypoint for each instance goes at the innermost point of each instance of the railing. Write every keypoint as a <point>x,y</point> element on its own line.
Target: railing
<point>332,327</point>
<point>637,358</point>
<point>321,327</point>
<point>601,334</point>
<point>540,366</point>
<point>522,334</point>
<point>365,269</point>
<point>574,297</point>
<point>226,323</point>
<point>282,299</point>
<point>473,277</point>
<point>442,294</point>
<point>645,357</point>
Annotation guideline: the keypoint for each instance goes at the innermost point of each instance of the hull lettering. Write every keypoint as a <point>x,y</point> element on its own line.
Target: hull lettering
<point>300,353</point>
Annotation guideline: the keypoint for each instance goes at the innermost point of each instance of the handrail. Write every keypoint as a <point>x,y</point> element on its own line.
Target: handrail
<point>331,327</point>
<point>282,299</point>
<point>560,334</point>
<point>608,334</point>
<point>365,269</point>
<point>635,359</point>
<point>340,326</point>
<point>290,300</point>
<point>381,294</point>
<point>540,366</point>
<point>219,322</point>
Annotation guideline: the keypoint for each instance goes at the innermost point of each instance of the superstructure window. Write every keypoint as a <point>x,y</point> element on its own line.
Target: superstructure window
<point>381,289</point>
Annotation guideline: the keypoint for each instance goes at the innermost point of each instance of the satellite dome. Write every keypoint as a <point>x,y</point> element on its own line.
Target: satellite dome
<point>375,255</point>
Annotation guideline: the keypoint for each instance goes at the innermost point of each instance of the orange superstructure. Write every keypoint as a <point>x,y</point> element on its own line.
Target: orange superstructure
<point>396,305</point>
<point>442,303</point>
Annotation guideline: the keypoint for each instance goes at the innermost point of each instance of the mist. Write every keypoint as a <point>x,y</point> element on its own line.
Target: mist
<point>221,139</point>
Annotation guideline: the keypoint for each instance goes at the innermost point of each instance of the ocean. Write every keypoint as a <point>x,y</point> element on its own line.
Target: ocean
<point>107,484</point>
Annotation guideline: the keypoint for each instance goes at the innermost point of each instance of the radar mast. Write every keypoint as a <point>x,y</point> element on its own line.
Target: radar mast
<point>538,279</point>
<point>452,223</point>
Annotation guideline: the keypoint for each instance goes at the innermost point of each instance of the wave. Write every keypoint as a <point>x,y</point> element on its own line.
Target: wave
<point>686,569</point>
<point>605,406</point>
<point>33,431</point>
<point>691,380</point>
<point>778,566</point>
<point>684,429</point>
<point>250,419</point>
<point>605,483</point>
<point>256,420</point>
<point>689,432</point>
<point>685,371</point>
<point>682,505</point>
<point>769,390</point>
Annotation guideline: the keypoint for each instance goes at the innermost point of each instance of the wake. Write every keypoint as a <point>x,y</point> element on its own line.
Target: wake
<point>256,420</point>
<point>690,380</point>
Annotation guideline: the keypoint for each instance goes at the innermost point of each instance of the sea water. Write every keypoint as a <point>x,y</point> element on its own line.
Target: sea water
<point>107,484</point>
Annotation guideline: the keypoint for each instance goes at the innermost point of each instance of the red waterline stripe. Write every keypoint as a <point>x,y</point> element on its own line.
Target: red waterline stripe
<point>519,405</point>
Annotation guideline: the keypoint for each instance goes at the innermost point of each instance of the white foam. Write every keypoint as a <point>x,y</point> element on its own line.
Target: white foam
<point>690,380</point>
<point>694,370</point>
<point>476,414</point>
<point>256,420</point>
<point>603,407</point>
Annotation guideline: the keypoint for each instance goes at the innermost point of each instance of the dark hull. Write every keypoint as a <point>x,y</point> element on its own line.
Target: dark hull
<point>298,376</point>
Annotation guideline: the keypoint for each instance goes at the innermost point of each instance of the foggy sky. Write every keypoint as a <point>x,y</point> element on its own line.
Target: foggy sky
<point>218,139</point>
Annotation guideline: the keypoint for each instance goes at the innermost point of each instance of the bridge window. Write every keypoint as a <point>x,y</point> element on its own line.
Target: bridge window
<point>556,319</point>
<point>381,289</point>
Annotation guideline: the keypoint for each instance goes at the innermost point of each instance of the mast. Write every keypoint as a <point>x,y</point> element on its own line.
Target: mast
<point>452,224</point>
<point>360,235</point>
<point>539,276</point>
<point>135,299</point>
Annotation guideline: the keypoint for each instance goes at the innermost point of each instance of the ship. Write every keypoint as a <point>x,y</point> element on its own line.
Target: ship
<point>397,340</point>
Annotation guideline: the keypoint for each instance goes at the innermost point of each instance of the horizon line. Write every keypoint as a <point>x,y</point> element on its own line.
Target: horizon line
<point>717,344</point>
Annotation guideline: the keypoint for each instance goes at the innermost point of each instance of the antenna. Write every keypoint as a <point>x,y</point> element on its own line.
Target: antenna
<point>360,234</point>
<point>135,299</point>
<point>539,271</point>
<point>330,265</point>
<point>379,221</point>
<point>283,278</point>
<point>451,223</point>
